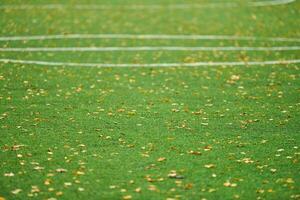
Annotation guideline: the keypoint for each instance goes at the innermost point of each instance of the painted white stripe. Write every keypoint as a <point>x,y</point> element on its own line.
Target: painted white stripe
<point>271,3</point>
<point>145,7</point>
<point>146,48</point>
<point>148,37</point>
<point>197,64</point>
<point>111,7</point>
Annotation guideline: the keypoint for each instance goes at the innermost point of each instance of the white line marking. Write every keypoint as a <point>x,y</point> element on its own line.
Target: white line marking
<point>147,37</point>
<point>271,3</point>
<point>146,48</point>
<point>111,7</point>
<point>197,64</point>
<point>144,7</point>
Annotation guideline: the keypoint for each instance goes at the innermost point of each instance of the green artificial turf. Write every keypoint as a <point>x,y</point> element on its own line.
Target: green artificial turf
<point>149,133</point>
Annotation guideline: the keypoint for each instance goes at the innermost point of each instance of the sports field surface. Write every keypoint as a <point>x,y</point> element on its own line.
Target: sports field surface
<point>165,99</point>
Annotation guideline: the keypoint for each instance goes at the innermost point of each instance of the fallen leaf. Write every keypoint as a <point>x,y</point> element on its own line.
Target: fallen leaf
<point>273,170</point>
<point>228,184</point>
<point>152,188</point>
<point>188,186</point>
<point>17,147</point>
<point>67,184</point>
<point>35,189</point>
<point>172,174</point>
<point>47,182</point>
<point>195,152</point>
<point>290,180</point>
<point>127,197</point>
<point>212,190</point>
<point>209,166</point>
<point>16,191</point>
<point>38,168</point>
<point>207,148</point>
<point>10,174</point>
<point>161,159</point>
<point>60,170</point>
<point>59,193</point>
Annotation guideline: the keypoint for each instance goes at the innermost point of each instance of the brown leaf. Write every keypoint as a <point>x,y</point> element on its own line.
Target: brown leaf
<point>228,184</point>
<point>188,186</point>
<point>47,182</point>
<point>152,188</point>
<point>161,159</point>
<point>195,152</point>
<point>17,147</point>
<point>172,174</point>
<point>138,190</point>
<point>61,170</point>
<point>207,148</point>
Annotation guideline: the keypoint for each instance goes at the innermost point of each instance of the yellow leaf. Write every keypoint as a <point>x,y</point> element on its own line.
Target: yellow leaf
<point>127,197</point>
<point>16,191</point>
<point>209,166</point>
<point>227,184</point>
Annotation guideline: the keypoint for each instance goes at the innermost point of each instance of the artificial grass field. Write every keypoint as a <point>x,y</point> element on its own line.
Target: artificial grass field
<point>210,132</point>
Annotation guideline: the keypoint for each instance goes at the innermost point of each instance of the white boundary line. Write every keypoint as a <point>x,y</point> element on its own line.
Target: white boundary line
<point>111,7</point>
<point>271,3</point>
<point>197,64</point>
<point>144,7</point>
<point>146,48</point>
<point>147,37</point>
